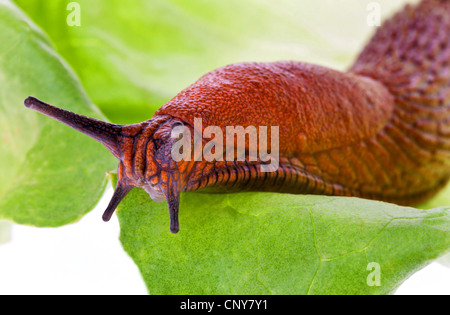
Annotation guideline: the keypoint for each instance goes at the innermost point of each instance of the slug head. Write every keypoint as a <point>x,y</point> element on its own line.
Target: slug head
<point>144,152</point>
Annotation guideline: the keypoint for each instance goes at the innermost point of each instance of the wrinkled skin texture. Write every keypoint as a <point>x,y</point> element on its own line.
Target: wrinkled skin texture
<point>380,130</point>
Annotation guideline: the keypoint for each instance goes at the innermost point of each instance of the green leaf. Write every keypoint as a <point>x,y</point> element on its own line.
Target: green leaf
<point>133,60</point>
<point>262,243</point>
<point>51,175</point>
<point>134,57</point>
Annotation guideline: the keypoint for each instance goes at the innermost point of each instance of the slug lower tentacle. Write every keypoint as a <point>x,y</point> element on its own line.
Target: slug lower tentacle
<point>380,130</point>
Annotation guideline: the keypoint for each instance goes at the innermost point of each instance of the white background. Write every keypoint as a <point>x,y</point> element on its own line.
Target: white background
<point>87,258</point>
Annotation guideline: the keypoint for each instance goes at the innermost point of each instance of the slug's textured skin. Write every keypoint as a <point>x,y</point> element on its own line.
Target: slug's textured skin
<point>381,130</point>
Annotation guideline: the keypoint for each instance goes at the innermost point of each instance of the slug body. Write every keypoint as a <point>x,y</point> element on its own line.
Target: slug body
<point>381,130</point>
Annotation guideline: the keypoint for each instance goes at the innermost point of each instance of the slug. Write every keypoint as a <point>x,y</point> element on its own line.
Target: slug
<point>380,130</point>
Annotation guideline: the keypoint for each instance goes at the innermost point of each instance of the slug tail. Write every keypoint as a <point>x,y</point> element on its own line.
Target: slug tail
<point>410,55</point>
<point>106,133</point>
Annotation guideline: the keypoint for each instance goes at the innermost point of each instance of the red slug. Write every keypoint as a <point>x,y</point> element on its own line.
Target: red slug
<point>381,130</point>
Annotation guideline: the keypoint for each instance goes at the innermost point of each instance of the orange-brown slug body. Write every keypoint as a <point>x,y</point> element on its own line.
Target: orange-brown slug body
<point>381,130</point>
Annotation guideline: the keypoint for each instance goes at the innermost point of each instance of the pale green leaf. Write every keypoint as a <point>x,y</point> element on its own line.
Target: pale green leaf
<point>51,175</point>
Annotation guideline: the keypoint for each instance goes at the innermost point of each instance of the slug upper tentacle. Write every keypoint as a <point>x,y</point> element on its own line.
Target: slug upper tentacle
<point>380,130</point>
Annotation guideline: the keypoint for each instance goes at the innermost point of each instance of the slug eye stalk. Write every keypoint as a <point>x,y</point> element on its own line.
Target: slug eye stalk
<point>125,143</point>
<point>105,133</point>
